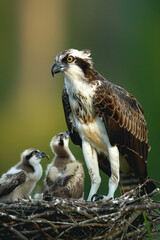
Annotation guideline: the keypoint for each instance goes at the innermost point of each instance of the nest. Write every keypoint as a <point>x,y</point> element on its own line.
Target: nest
<point>120,218</point>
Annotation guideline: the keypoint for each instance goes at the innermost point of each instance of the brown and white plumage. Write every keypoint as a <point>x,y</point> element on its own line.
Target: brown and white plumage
<point>21,179</point>
<point>106,121</point>
<point>65,175</point>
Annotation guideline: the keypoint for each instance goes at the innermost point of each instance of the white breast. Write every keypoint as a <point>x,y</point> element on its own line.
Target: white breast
<point>94,130</point>
<point>36,175</point>
<point>26,188</point>
<point>94,133</point>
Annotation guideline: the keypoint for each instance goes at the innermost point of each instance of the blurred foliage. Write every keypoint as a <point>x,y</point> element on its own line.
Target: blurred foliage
<point>123,37</point>
<point>8,50</point>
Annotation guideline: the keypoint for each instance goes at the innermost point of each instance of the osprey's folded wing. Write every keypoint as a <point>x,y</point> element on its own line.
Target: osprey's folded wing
<point>9,182</point>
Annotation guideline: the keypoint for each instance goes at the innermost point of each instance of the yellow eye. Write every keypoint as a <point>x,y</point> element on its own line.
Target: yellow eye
<point>34,153</point>
<point>61,137</point>
<point>70,59</point>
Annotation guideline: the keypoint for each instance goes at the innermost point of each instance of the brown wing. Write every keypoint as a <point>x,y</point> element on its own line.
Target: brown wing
<point>68,116</point>
<point>125,124</point>
<point>9,182</point>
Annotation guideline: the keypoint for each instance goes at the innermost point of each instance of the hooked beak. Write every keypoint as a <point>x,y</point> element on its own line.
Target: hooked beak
<point>67,133</point>
<point>64,135</point>
<point>56,68</point>
<point>42,155</point>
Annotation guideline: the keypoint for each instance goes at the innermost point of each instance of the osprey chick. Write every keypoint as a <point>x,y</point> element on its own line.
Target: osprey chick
<point>21,179</point>
<point>106,121</point>
<point>64,176</point>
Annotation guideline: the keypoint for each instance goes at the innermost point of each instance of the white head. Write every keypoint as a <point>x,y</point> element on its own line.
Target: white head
<point>32,157</point>
<point>73,63</point>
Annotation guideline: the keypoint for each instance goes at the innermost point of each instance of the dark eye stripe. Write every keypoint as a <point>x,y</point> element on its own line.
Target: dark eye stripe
<point>61,136</point>
<point>31,154</point>
<point>61,143</point>
<point>84,65</point>
<point>65,58</point>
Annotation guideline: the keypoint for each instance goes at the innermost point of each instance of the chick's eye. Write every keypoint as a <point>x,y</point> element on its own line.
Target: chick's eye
<point>70,59</point>
<point>34,153</point>
<point>61,137</point>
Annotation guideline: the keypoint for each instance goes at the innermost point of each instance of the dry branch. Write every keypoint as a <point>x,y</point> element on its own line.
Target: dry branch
<point>119,218</point>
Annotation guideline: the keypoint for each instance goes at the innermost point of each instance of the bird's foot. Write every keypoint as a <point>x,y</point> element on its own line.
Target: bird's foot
<point>98,197</point>
<point>47,196</point>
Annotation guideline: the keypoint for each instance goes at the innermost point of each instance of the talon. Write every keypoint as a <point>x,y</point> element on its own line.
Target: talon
<point>97,197</point>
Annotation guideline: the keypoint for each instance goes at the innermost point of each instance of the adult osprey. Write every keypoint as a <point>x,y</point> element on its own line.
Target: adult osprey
<point>106,121</point>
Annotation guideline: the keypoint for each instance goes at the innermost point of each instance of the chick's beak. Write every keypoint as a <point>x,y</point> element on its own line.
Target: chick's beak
<point>42,155</point>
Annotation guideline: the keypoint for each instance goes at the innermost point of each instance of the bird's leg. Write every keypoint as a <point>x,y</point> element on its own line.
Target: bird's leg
<point>114,179</point>
<point>91,160</point>
<point>114,164</point>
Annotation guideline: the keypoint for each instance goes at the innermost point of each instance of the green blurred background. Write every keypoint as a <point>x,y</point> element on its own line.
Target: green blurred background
<point>124,39</point>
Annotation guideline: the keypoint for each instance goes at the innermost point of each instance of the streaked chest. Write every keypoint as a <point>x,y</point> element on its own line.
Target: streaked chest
<point>89,126</point>
<point>81,101</point>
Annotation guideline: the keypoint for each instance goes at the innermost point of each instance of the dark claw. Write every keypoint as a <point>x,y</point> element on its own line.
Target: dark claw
<point>97,197</point>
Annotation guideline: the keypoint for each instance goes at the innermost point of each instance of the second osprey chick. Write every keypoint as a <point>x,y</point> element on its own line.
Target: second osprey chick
<point>21,179</point>
<point>64,176</point>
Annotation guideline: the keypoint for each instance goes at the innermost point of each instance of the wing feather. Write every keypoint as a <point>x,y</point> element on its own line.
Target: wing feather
<point>125,123</point>
<point>9,182</point>
<point>68,116</point>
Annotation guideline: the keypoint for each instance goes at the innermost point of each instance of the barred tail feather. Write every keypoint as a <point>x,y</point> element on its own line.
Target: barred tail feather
<point>128,182</point>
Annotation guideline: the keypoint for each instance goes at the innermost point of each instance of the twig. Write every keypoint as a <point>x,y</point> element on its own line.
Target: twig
<point>13,230</point>
<point>76,219</point>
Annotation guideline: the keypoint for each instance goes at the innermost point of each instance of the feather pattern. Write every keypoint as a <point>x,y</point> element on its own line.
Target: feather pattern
<point>9,182</point>
<point>67,112</point>
<point>125,123</point>
<point>64,176</point>
<point>105,118</point>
